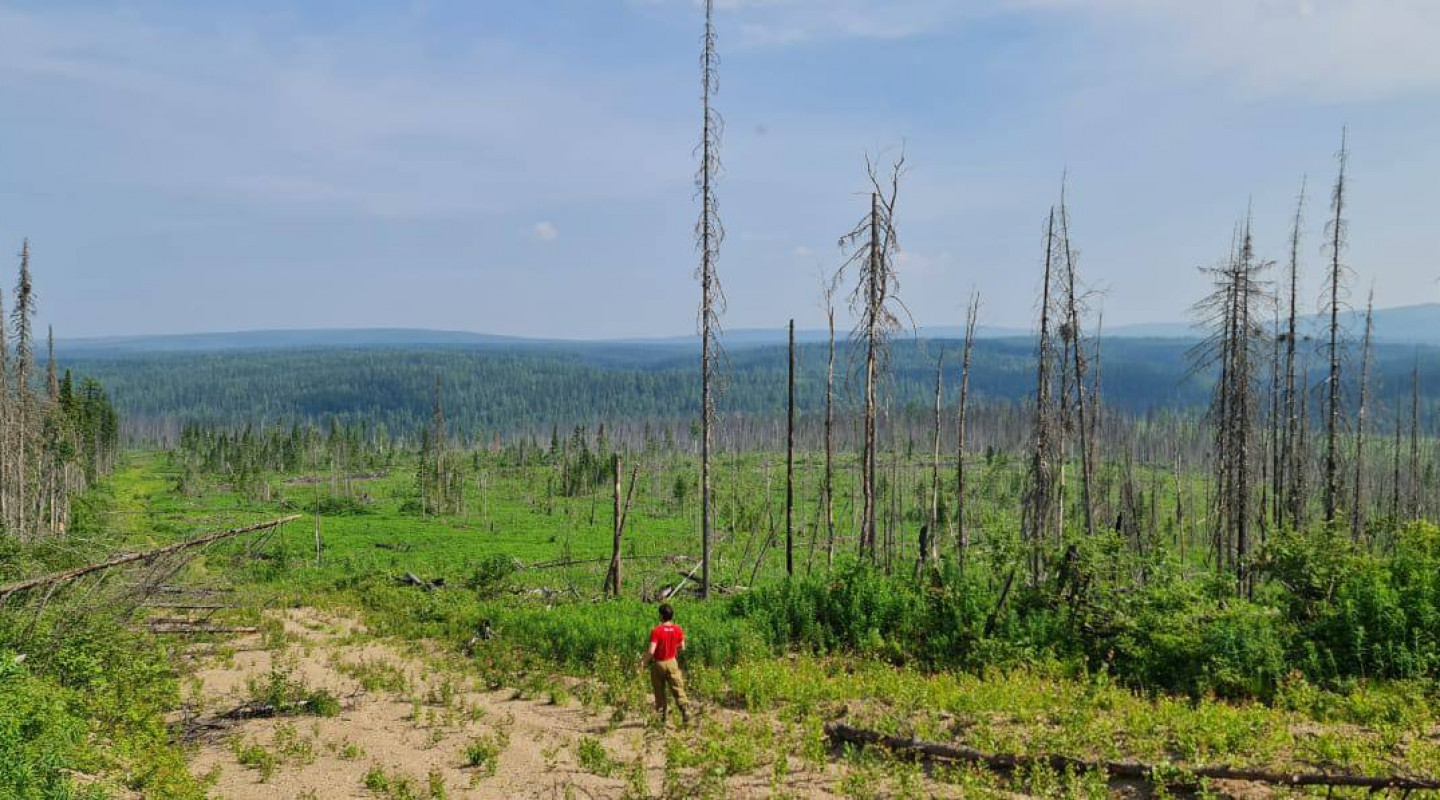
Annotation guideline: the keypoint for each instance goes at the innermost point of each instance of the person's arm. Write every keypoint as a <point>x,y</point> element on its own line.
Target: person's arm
<point>649,654</point>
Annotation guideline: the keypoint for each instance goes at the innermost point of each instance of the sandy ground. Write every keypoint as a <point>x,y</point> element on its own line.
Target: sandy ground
<point>418,733</point>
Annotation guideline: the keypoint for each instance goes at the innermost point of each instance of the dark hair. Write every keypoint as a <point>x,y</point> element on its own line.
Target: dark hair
<point>666,612</point>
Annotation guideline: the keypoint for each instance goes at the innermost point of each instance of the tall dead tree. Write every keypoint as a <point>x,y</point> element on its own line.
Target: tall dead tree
<point>1290,476</point>
<point>1357,495</point>
<point>1071,332</point>
<point>1040,487</point>
<point>1232,313</point>
<point>790,460</point>
<point>872,245</point>
<point>1413,486</point>
<point>1335,290</point>
<point>962,529</point>
<point>928,547</point>
<point>613,576</point>
<point>7,454</point>
<point>708,235</point>
<point>829,487</point>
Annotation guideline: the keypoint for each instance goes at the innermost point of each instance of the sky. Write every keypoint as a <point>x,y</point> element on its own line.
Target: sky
<point>527,168</point>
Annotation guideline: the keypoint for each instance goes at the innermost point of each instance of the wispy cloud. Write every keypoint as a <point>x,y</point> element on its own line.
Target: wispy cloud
<point>1319,50</point>
<point>348,123</point>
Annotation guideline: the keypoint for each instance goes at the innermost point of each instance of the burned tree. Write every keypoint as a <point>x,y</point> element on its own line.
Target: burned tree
<point>790,458</point>
<point>1289,477</point>
<point>708,235</point>
<point>1040,477</point>
<point>961,528</point>
<point>1070,331</point>
<point>1357,495</point>
<point>872,246</point>
<point>828,489</point>
<point>1232,314</point>
<point>928,546</point>
<point>1335,279</point>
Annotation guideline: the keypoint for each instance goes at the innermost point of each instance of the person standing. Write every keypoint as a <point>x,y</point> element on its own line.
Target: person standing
<point>666,641</point>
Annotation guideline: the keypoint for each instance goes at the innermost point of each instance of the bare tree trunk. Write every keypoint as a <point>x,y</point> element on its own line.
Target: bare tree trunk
<point>1291,458</point>
<point>961,525</point>
<point>7,455</point>
<point>829,489</point>
<point>871,300</point>
<point>1414,482</point>
<point>1040,477</point>
<point>927,552</point>
<point>1336,281</point>
<point>1072,312</point>
<point>867,532</point>
<point>1357,512</point>
<point>790,462</point>
<point>709,234</point>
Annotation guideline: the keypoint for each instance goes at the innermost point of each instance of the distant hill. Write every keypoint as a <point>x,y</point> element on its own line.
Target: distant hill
<point>1416,325</point>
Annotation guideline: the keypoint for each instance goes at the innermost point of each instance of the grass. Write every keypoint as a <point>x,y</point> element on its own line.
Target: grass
<point>483,753</point>
<point>548,645</point>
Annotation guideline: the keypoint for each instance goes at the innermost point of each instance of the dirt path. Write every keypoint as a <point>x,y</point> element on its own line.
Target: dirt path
<point>406,729</point>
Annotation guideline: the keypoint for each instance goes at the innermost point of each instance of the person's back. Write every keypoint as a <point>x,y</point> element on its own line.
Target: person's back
<point>667,640</point>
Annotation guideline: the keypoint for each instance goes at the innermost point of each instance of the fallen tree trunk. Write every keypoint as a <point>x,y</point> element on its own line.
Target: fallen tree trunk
<point>1168,774</point>
<point>79,572</point>
<point>198,630</point>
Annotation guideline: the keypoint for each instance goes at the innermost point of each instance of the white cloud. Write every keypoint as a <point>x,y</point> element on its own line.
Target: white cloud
<point>543,231</point>
<point>1319,50</point>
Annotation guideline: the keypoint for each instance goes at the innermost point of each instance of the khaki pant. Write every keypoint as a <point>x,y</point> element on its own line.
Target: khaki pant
<point>665,678</point>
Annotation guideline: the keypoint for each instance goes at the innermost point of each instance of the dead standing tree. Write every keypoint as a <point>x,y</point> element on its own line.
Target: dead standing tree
<point>1357,512</point>
<point>961,528</point>
<point>1040,477</point>
<point>790,459</point>
<point>708,235</point>
<point>1074,342</point>
<point>1335,280</point>
<point>872,245</point>
<point>830,286</point>
<point>1289,476</point>
<point>1232,313</point>
<point>928,549</point>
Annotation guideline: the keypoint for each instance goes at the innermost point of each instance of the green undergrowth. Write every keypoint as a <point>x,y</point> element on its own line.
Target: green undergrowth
<point>83,696</point>
<point>1027,706</point>
<point>91,700</point>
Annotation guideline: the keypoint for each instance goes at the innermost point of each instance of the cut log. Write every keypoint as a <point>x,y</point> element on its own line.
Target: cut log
<point>1171,775</point>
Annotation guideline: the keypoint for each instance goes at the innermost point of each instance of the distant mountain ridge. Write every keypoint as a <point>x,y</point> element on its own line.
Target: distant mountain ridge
<point>1414,324</point>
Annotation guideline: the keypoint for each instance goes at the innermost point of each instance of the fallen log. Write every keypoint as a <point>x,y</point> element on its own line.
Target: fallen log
<point>411,579</point>
<point>128,558</point>
<point>1171,775</point>
<point>200,630</point>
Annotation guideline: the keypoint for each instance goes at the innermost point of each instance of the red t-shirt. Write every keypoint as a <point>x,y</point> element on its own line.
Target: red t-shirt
<point>667,638</point>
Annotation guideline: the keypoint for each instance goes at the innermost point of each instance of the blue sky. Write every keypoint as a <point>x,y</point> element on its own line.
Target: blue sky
<point>526,167</point>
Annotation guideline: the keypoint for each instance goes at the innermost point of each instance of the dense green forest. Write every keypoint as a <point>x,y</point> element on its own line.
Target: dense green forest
<point>518,388</point>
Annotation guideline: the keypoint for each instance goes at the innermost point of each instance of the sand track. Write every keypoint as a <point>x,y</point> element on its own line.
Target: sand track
<point>411,722</point>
